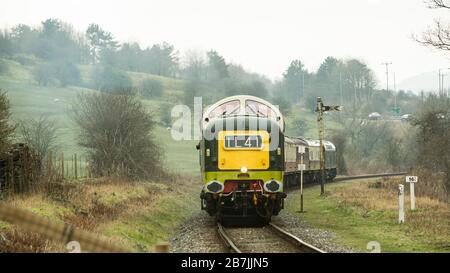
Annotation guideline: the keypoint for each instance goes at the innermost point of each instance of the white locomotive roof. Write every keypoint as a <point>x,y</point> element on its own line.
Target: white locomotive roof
<point>238,105</point>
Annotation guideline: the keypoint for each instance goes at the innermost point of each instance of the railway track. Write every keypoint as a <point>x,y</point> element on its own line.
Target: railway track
<point>353,177</point>
<point>271,238</point>
<point>347,178</point>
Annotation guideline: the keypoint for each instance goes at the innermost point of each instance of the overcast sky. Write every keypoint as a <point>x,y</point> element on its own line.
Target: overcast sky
<point>263,36</point>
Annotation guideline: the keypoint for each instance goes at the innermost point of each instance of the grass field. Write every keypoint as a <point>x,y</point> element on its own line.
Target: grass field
<point>359,212</point>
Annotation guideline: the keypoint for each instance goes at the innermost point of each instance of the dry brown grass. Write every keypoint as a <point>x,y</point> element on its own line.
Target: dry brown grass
<point>84,204</point>
<point>431,218</point>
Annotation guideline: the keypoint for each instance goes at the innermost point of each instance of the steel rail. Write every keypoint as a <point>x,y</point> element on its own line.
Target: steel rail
<point>294,238</point>
<point>228,241</point>
<point>353,177</point>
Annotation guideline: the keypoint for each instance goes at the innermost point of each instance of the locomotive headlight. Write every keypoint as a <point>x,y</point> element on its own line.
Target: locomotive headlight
<point>273,186</point>
<point>244,169</point>
<point>214,186</point>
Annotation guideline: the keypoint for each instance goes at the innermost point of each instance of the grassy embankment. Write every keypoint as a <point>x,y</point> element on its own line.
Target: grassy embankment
<point>362,211</point>
<point>134,215</point>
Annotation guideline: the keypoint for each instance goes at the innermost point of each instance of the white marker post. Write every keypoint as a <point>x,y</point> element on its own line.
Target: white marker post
<point>401,211</point>
<point>301,167</point>
<point>412,180</point>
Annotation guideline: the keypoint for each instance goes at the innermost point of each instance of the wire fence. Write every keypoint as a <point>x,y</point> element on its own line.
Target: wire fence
<point>22,170</point>
<point>56,231</point>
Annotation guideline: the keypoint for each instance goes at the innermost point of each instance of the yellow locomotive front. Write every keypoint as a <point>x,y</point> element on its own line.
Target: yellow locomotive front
<point>241,158</point>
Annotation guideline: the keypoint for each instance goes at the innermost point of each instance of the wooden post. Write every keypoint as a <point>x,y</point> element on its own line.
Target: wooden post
<point>76,173</point>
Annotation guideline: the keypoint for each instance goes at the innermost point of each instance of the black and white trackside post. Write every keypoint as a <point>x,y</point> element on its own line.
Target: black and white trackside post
<point>412,180</point>
<point>401,200</point>
<point>301,167</point>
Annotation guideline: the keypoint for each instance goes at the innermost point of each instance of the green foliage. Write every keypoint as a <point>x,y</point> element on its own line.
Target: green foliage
<point>67,73</point>
<point>99,40</point>
<point>255,88</point>
<point>218,68</point>
<point>283,104</point>
<point>161,59</point>
<point>6,46</point>
<point>151,88</point>
<point>294,80</point>
<point>44,74</point>
<point>108,79</point>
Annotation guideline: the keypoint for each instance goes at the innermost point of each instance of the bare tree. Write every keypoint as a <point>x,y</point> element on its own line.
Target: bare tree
<point>437,36</point>
<point>6,129</point>
<point>39,134</point>
<point>116,131</point>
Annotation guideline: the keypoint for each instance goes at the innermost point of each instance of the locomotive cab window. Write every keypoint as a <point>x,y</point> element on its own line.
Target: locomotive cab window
<point>227,108</point>
<point>259,109</point>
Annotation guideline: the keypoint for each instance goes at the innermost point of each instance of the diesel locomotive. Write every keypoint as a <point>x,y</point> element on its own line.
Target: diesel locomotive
<point>243,160</point>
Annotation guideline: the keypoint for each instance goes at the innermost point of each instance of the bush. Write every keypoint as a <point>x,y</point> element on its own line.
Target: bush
<point>112,80</point>
<point>39,134</point>
<point>44,74</point>
<point>117,131</point>
<point>67,73</point>
<point>151,88</point>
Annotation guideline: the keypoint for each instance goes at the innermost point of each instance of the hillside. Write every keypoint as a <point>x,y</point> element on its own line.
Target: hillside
<point>28,99</point>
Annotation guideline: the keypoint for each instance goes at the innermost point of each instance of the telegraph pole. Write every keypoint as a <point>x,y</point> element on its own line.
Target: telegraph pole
<point>320,109</point>
<point>395,93</point>
<point>387,74</point>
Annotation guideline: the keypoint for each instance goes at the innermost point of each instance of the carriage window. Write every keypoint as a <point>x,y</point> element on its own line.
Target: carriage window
<point>227,108</point>
<point>259,109</point>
